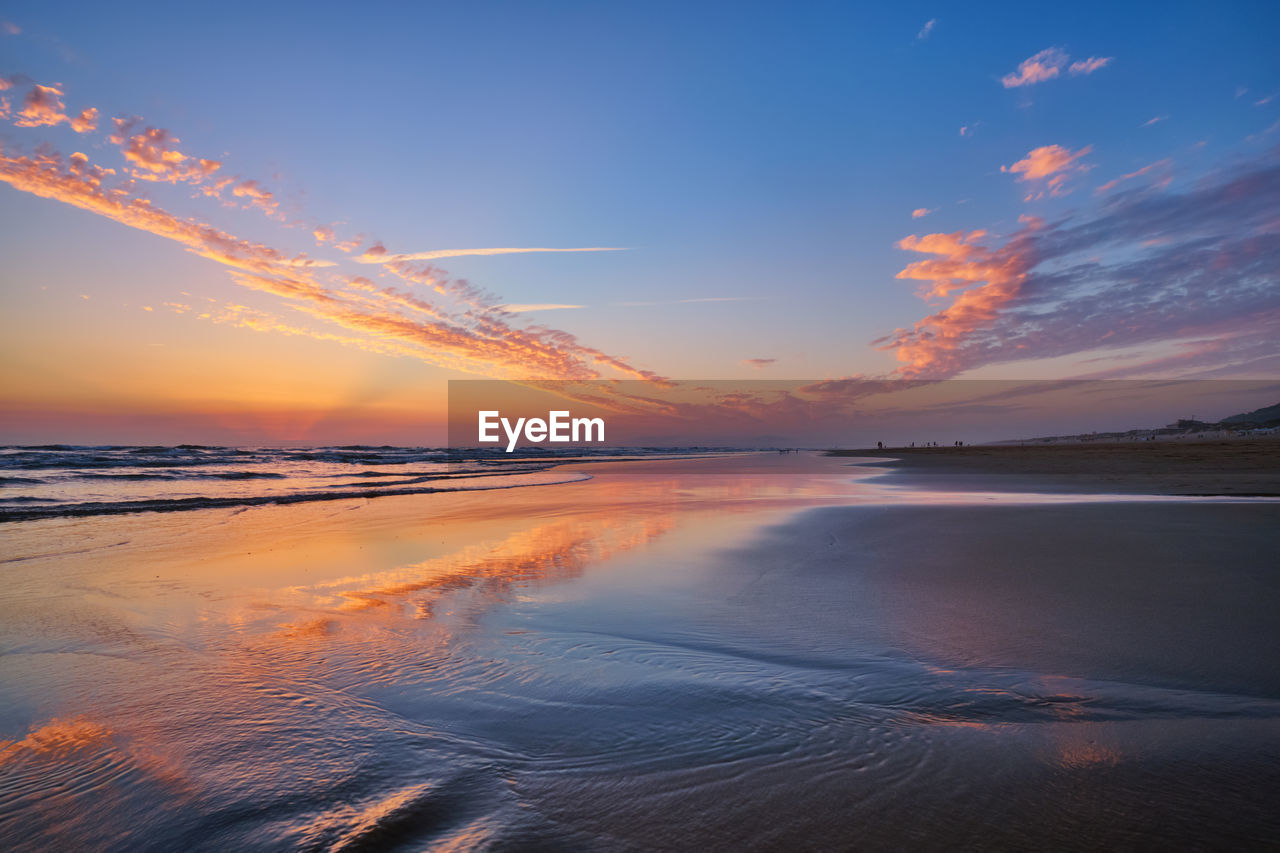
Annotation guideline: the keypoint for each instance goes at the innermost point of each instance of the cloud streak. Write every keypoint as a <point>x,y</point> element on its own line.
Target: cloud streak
<point>377,254</point>
<point>692,301</point>
<point>1200,265</point>
<point>521,308</point>
<point>461,328</point>
<point>1115,182</point>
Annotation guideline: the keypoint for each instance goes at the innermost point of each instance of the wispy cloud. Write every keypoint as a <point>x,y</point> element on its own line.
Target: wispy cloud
<point>461,327</point>
<point>1048,64</point>
<point>1090,65</point>
<point>256,196</point>
<point>1044,65</point>
<point>377,254</point>
<point>1154,120</point>
<point>693,300</point>
<point>522,308</point>
<point>1115,182</point>
<point>1151,265</point>
<point>921,212</point>
<point>1051,166</point>
<point>758,363</point>
<point>927,29</point>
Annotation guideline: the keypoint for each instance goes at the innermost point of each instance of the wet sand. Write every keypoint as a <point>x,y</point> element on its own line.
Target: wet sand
<point>775,653</point>
<point>1174,467</point>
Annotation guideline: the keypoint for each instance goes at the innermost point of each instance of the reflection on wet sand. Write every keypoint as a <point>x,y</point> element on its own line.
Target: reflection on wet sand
<point>559,667</point>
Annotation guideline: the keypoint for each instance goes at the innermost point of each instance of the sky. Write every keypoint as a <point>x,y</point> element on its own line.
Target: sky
<point>280,223</point>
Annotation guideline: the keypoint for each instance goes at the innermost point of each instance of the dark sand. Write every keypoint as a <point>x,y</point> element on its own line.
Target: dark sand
<point>1241,467</point>
<point>762,654</point>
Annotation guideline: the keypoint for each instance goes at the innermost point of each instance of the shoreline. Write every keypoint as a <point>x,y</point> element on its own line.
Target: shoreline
<point>574,663</point>
<point>1235,468</point>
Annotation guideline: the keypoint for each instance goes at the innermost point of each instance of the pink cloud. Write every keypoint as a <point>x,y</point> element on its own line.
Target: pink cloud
<point>1156,266</point>
<point>920,212</point>
<point>1051,165</point>
<point>1048,64</point>
<point>476,336</point>
<point>154,155</point>
<point>42,107</point>
<point>86,122</point>
<point>1090,65</point>
<point>258,196</point>
<point>1045,65</point>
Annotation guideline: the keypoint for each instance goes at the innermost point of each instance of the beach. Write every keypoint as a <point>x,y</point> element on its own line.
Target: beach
<point>761,652</point>
<point>1239,466</point>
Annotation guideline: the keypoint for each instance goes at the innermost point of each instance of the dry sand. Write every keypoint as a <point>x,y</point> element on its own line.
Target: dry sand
<point>1241,467</point>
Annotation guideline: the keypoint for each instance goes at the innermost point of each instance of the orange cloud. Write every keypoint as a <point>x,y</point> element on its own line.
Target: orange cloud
<point>1051,162</point>
<point>155,157</point>
<point>80,184</point>
<point>478,338</point>
<point>931,348</point>
<point>257,195</point>
<point>475,342</point>
<point>920,212</point>
<point>42,107</point>
<point>1193,266</point>
<point>86,122</point>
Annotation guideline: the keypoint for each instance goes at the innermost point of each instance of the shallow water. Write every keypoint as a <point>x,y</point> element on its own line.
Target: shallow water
<point>659,660</point>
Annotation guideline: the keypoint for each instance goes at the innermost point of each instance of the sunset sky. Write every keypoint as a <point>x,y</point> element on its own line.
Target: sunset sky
<point>252,223</point>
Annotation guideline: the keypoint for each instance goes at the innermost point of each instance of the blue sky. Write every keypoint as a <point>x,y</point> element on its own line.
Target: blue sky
<point>768,154</point>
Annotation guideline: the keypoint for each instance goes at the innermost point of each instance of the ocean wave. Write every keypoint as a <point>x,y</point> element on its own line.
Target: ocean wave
<point>189,475</point>
<point>92,508</point>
